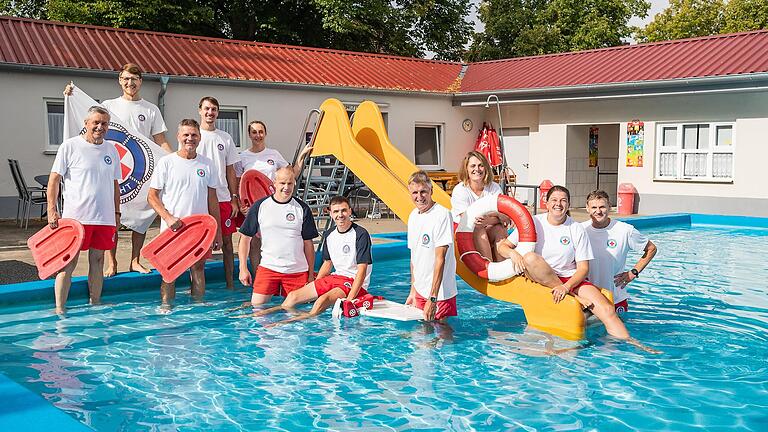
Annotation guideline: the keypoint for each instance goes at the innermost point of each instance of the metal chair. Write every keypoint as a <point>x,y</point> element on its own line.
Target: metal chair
<point>28,196</point>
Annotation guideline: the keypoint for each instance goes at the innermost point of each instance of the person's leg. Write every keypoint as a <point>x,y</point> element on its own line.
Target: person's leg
<point>167,292</point>
<point>95,274</point>
<point>603,310</point>
<point>62,284</point>
<point>496,233</point>
<point>137,242</point>
<point>228,253</point>
<point>537,269</point>
<point>482,242</point>
<point>321,304</point>
<point>305,294</point>
<point>197,274</point>
<point>266,283</point>
<point>255,252</point>
<point>111,269</point>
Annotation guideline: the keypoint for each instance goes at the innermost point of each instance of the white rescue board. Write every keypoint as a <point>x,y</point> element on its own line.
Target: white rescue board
<point>395,311</point>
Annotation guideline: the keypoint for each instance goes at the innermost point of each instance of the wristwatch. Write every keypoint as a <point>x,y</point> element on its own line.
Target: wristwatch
<point>235,196</point>
<point>433,299</point>
<point>635,272</point>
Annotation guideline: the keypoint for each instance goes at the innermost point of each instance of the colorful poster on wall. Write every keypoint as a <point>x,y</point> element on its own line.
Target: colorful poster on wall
<point>593,132</point>
<point>635,141</point>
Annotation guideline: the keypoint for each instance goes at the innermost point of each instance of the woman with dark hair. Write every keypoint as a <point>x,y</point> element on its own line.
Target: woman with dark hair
<point>266,160</point>
<point>475,182</point>
<point>561,260</point>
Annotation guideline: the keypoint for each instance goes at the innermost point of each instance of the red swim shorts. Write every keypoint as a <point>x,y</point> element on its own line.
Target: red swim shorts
<point>445,308</point>
<point>269,282</point>
<point>228,224</point>
<point>327,283</point>
<point>100,237</point>
<point>622,306</point>
<point>583,283</point>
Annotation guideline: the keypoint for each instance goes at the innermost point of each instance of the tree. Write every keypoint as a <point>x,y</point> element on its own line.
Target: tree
<point>745,15</point>
<point>25,9</point>
<point>684,19</point>
<point>403,27</point>
<point>181,16</point>
<point>515,28</point>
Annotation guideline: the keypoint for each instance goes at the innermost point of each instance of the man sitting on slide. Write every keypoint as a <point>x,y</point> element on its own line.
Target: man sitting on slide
<point>347,249</point>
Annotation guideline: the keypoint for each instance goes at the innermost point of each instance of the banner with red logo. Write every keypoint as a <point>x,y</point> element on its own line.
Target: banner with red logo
<point>138,157</point>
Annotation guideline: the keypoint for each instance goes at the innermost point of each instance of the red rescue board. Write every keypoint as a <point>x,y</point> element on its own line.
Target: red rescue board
<point>254,186</point>
<point>174,252</point>
<point>54,248</point>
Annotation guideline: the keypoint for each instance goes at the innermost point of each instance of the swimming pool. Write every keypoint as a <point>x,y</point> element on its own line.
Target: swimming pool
<point>128,367</point>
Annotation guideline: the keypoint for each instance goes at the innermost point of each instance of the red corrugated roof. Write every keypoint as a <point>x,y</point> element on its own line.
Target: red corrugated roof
<point>721,55</point>
<point>47,43</point>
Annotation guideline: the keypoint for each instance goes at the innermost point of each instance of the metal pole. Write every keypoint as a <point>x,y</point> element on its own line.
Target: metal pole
<point>501,142</point>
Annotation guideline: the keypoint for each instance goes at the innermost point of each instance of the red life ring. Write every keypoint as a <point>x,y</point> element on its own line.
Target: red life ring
<point>465,244</point>
<point>254,186</point>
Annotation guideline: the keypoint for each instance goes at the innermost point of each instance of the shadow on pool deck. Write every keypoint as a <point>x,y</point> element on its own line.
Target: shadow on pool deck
<point>17,265</point>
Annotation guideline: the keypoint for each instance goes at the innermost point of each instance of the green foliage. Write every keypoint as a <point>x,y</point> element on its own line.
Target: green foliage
<point>25,9</point>
<point>745,15</point>
<point>403,27</point>
<point>685,18</point>
<point>515,28</point>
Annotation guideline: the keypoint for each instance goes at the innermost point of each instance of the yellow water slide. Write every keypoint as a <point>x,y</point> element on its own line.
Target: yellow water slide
<point>365,149</point>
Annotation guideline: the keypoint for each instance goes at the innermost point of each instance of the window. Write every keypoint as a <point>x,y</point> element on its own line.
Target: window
<point>55,123</point>
<point>428,146</point>
<point>231,121</point>
<point>697,151</point>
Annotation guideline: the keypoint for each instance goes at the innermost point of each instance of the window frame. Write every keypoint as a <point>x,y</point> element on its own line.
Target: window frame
<point>242,112</point>
<point>48,147</point>
<point>681,152</point>
<point>440,135</point>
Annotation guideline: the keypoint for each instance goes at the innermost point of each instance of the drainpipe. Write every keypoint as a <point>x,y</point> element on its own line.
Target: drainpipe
<point>161,95</point>
<point>501,142</point>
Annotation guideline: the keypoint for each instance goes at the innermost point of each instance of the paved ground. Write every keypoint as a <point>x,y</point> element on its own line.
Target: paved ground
<point>17,265</point>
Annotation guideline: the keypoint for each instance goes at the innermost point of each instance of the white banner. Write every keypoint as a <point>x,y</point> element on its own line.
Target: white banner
<point>138,157</point>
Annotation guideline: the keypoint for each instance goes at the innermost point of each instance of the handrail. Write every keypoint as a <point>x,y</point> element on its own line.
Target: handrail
<point>535,193</point>
<point>598,174</point>
<point>303,137</point>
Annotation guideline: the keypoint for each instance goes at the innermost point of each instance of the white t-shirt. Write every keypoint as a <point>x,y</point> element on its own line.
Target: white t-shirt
<point>183,184</point>
<point>283,228</point>
<point>463,196</point>
<point>427,231</point>
<point>348,249</point>
<point>143,116</point>
<point>561,246</point>
<point>89,172</point>
<point>218,146</point>
<point>267,161</point>
<point>610,246</point>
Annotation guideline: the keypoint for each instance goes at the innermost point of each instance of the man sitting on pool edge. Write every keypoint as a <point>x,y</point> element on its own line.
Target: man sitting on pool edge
<point>347,250</point>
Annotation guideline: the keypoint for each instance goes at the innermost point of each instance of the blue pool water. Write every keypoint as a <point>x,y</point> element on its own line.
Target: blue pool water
<point>128,367</point>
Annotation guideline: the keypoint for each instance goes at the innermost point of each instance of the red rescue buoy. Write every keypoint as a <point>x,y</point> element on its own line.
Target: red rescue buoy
<point>54,248</point>
<point>173,252</point>
<point>254,186</point>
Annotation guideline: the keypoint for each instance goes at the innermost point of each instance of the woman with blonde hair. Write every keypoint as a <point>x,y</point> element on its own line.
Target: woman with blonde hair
<point>476,181</point>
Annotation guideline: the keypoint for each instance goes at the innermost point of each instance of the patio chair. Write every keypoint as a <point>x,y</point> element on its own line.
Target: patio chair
<point>27,196</point>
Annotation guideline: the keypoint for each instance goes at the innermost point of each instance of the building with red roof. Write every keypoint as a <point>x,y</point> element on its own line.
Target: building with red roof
<point>681,120</point>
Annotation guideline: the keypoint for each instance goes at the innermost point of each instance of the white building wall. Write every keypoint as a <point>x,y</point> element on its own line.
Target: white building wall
<point>745,195</point>
<point>283,110</point>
